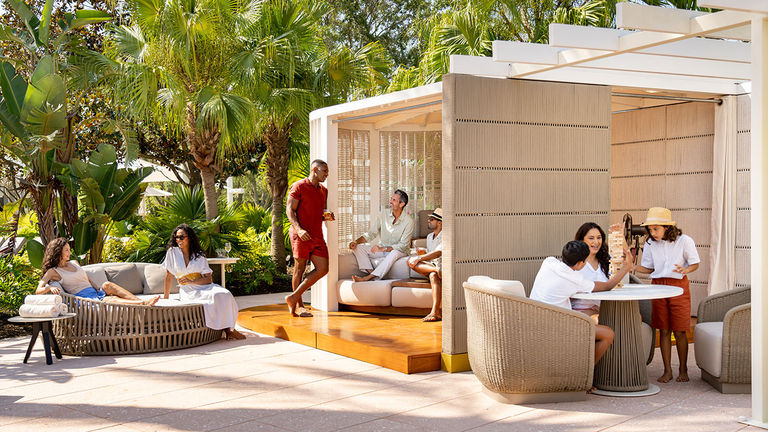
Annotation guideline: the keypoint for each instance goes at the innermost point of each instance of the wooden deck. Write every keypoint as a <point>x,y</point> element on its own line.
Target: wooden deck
<point>405,344</point>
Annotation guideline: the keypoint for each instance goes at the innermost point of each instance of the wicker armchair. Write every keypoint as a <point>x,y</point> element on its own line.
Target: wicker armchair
<point>722,341</point>
<point>524,351</point>
<point>102,328</point>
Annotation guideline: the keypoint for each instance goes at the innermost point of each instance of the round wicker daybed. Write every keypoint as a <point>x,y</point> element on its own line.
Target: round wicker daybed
<point>103,328</point>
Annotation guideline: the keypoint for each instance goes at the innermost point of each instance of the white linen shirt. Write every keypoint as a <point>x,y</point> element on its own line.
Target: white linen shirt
<point>556,283</point>
<point>435,244</point>
<point>394,234</point>
<point>592,274</point>
<point>662,255</point>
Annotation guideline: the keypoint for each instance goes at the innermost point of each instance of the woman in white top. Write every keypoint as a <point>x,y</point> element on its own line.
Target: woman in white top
<point>186,262</point>
<point>596,269</point>
<point>58,267</point>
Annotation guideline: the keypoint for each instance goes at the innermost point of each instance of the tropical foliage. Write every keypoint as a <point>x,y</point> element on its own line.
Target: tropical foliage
<point>17,279</point>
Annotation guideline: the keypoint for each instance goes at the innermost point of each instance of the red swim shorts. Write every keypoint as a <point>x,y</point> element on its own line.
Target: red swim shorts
<point>672,313</point>
<point>304,249</point>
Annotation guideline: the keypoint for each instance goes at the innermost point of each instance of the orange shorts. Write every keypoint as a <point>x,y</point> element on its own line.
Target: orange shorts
<point>305,249</point>
<point>672,313</point>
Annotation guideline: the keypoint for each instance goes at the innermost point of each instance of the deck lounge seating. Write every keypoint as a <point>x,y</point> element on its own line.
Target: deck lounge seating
<point>525,351</point>
<point>108,328</point>
<point>722,338</point>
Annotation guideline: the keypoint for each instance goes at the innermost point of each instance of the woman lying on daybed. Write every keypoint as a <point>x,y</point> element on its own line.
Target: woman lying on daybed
<point>57,267</point>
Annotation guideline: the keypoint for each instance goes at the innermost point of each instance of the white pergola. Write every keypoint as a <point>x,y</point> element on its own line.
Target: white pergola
<point>653,50</point>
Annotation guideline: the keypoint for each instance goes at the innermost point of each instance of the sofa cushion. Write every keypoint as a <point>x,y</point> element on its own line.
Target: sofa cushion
<point>96,275</point>
<point>708,337</point>
<point>154,280</point>
<point>371,293</point>
<point>127,276</point>
<point>412,297</point>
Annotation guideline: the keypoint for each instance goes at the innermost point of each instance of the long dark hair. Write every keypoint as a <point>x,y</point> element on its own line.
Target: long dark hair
<point>194,244</point>
<point>52,256</point>
<point>671,233</point>
<point>603,258</point>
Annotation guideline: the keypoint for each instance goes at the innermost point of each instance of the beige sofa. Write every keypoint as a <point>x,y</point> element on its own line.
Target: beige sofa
<point>109,328</point>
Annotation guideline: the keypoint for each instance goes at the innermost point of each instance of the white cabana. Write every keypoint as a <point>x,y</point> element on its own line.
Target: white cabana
<point>612,94</point>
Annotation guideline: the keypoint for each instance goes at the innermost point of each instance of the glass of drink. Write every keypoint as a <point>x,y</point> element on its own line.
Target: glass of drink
<point>328,215</point>
<point>421,251</point>
<point>227,247</point>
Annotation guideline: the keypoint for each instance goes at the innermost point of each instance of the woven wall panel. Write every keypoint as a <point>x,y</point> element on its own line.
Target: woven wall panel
<point>743,267</point>
<point>689,191</point>
<point>411,161</point>
<point>637,193</point>
<point>743,149</point>
<point>743,224</point>
<point>536,102</point>
<point>690,119</point>
<point>617,216</point>
<point>486,191</point>
<point>744,112</point>
<point>685,155</point>
<point>513,234</point>
<point>695,223</point>
<point>354,187</point>
<point>639,125</point>
<point>525,163</point>
<point>743,189</point>
<point>699,291</point>
<point>554,146</point>
<point>702,273</point>
<point>632,160</point>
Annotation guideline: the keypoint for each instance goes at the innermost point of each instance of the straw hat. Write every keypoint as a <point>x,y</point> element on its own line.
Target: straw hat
<point>658,216</point>
<point>437,214</point>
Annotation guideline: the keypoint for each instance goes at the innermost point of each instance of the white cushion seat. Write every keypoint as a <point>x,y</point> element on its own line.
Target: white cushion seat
<point>709,346</point>
<point>412,297</point>
<point>371,293</point>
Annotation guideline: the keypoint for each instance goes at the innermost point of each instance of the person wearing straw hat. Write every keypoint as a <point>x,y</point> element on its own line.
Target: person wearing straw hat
<point>669,255</point>
<point>429,264</point>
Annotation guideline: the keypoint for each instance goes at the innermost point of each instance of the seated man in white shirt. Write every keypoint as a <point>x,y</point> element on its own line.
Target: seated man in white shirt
<point>558,280</point>
<point>394,229</point>
<point>429,264</point>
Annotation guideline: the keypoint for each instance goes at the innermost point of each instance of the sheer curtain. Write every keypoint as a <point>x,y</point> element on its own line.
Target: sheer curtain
<point>354,185</point>
<point>411,161</point>
<point>723,243</point>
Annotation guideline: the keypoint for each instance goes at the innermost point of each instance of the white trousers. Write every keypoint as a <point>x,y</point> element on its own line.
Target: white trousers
<point>363,255</point>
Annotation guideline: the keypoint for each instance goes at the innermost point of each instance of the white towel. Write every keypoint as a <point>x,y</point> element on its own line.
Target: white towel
<point>63,309</point>
<point>42,299</point>
<point>39,311</point>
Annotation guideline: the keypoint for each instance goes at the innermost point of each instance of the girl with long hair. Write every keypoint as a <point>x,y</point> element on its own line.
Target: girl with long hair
<point>58,267</point>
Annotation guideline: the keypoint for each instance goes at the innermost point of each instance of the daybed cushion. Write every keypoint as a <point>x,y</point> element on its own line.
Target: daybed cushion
<point>96,275</point>
<point>412,297</point>
<point>127,276</point>
<point>371,293</point>
<point>509,287</point>
<point>154,280</point>
<point>709,346</point>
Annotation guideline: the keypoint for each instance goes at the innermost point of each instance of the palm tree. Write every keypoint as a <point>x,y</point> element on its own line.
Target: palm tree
<point>288,71</point>
<point>174,68</point>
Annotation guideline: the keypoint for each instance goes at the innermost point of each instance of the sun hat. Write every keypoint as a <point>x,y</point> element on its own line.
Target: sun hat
<point>437,214</point>
<point>658,216</point>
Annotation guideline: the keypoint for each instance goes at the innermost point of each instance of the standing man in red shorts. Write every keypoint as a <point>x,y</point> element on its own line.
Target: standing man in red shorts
<point>306,203</point>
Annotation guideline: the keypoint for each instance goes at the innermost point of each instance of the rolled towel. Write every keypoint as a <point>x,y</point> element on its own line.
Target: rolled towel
<point>42,299</point>
<point>63,309</point>
<point>39,311</point>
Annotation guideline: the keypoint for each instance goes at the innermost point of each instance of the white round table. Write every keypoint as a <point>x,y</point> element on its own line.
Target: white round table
<point>223,261</point>
<point>622,370</point>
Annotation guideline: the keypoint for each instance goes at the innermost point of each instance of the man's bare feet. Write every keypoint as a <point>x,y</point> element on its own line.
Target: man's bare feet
<point>152,301</point>
<point>683,377</point>
<point>292,303</point>
<point>233,334</point>
<point>357,278</point>
<point>667,377</point>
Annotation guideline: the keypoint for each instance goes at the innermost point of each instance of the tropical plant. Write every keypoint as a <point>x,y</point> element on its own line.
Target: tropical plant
<point>287,71</point>
<point>186,206</point>
<point>254,272</point>
<point>108,194</point>
<point>18,278</point>
<point>174,69</point>
<point>39,121</point>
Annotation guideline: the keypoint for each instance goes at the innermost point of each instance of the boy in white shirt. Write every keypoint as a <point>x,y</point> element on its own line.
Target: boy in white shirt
<point>558,280</point>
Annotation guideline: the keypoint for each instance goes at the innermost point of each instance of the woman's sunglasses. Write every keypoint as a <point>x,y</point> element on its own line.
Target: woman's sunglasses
<point>181,237</point>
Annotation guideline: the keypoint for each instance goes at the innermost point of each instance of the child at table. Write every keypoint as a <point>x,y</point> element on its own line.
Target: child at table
<point>669,255</point>
<point>558,280</point>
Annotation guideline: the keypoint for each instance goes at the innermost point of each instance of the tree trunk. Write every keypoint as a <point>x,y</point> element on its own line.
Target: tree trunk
<point>278,155</point>
<point>202,147</point>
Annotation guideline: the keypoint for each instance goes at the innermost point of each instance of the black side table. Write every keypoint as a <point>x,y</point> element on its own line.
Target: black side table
<point>42,325</point>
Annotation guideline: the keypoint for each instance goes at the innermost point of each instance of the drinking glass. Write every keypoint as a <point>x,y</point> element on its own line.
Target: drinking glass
<point>228,247</point>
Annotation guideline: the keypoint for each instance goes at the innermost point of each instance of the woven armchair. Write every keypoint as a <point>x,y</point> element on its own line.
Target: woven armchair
<point>722,341</point>
<point>102,328</point>
<point>525,351</point>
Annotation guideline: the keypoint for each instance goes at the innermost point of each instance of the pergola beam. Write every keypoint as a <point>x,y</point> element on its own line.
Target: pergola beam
<point>754,6</point>
<point>668,20</point>
<point>405,116</point>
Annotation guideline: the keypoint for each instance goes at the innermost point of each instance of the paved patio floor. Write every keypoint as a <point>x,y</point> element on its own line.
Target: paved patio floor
<point>267,384</point>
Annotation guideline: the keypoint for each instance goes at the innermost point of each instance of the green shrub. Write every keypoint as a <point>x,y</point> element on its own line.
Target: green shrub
<point>118,250</point>
<point>17,279</point>
<point>255,272</point>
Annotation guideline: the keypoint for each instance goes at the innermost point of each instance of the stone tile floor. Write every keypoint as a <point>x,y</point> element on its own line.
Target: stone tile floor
<point>267,384</point>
